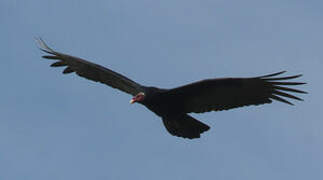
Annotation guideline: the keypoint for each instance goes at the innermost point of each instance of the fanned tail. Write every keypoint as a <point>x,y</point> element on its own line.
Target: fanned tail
<point>185,126</point>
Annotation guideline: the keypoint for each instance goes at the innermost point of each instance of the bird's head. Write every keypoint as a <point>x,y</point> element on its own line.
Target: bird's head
<point>138,98</point>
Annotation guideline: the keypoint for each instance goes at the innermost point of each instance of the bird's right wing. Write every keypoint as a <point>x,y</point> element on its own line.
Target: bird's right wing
<point>91,71</point>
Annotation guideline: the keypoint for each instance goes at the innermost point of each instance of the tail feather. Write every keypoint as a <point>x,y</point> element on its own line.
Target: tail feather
<point>185,126</point>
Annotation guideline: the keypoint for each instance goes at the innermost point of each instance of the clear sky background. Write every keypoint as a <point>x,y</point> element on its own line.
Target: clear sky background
<point>63,127</point>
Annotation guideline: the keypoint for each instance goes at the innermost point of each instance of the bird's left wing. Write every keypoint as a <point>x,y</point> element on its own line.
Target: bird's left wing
<point>228,93</point>
<point>90,70</point>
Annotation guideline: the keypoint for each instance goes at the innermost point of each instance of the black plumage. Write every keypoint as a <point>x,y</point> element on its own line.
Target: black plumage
<point>172,105</point>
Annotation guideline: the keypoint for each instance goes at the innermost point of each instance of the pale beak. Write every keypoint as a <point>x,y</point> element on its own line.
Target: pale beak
<point>132,101</point>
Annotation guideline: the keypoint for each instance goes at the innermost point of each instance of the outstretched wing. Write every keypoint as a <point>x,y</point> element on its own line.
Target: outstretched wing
<point>228,93</point>
<point>90,70</point>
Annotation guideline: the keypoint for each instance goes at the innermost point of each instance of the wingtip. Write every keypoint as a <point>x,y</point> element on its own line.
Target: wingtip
<point>271,78</point>
<point>274,74</point>
<point>43,46</point>
<point>277,98</point>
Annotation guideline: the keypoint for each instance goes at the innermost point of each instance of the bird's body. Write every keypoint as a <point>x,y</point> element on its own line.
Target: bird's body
<point>156,101</point>
<point>173,105</point>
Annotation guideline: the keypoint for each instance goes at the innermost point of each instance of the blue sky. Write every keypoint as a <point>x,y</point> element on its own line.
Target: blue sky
<point>55,126</point>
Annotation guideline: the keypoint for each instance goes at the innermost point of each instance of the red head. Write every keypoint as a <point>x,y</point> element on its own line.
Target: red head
<point>139,97</point>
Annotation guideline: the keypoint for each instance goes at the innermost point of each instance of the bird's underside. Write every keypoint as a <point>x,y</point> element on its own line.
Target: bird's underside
<point>173,105</point>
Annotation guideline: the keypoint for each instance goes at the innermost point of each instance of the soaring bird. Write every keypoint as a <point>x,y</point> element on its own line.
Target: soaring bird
<point>173,105</point>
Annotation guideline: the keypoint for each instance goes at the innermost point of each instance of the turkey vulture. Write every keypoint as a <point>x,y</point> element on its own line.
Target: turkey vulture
<point>173,105</point>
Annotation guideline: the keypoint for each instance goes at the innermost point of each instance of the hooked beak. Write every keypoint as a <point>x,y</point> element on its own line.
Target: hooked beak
<point>132,101</point>
<point>139,97</point>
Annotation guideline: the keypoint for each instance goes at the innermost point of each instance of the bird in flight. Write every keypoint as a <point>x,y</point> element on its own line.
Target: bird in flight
<point>173,105</point>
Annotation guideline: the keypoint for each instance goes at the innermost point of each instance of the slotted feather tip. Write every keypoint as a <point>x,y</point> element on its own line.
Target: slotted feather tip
<point>283,78</point>
<point>58,64</point>
<point>43,46</point>
<point>280,93</point>
<point>51,57</point>
<point>270,75</point>
<point>68,70</point>
<point>277,98</point>
<point>289,89</point>
<point>287,83</point>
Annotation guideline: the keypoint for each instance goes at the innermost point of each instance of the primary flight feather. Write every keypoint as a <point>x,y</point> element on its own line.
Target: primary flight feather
<point>172,105</point>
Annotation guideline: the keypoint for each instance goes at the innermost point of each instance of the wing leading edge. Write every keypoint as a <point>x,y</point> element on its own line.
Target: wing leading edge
<point>90,70</point>
<point>227,93</point>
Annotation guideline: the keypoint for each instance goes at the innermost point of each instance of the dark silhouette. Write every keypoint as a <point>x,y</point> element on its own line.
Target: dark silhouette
<point>172,105</point>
